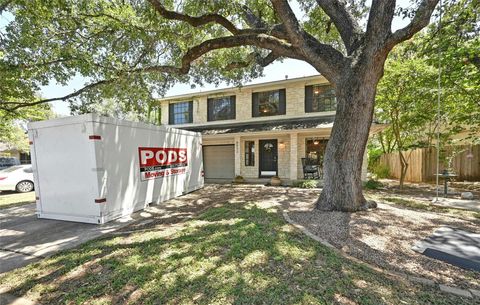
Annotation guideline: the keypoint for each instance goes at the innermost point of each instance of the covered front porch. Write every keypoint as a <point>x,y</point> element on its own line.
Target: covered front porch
<point>257,156</point>
<point>258,151</point>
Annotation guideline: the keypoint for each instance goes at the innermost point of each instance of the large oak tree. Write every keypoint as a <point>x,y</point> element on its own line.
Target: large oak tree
<point>141,47</point>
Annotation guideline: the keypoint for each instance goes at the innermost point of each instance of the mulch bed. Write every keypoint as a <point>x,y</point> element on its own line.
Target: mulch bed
<point>384,237</point>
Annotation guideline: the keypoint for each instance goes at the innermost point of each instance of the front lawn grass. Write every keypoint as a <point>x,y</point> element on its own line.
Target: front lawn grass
<point>237,253</point>
<point>11,199</point>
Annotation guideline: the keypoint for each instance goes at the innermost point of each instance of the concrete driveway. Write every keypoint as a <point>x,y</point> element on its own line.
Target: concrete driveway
<point>24,238</point>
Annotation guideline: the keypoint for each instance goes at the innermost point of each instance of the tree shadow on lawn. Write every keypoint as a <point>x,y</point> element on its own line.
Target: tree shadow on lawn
<point>232,253</point>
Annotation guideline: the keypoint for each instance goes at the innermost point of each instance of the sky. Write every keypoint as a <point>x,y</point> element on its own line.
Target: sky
<point>277,71</point>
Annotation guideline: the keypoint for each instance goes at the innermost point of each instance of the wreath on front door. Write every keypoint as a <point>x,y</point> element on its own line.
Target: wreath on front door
<point>268,147</point>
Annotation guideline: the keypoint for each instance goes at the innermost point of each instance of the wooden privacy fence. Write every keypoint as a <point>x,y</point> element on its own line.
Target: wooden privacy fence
<point>422,164</point>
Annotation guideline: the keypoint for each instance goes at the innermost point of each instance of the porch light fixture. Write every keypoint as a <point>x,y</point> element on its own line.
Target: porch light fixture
<point>316,142</point>
<point>281,145</point>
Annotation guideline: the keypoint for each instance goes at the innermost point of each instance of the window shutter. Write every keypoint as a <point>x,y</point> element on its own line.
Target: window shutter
<point>233,99</point>
<point>190,112</point>
<point>209,109</point>
<point>171,117</point>
<point>308,98</point>
<point>283,102</point>
<point>255,112</point>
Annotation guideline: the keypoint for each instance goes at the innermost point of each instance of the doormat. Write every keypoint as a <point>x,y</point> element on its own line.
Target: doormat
<point>454,246</point>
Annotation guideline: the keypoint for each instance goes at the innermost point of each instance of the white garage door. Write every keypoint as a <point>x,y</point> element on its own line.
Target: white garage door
<point>219,161</point>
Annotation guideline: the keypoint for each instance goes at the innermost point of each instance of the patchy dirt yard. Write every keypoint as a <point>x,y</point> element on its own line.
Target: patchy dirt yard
<point>384,236</point>
<point>428,190</point>
<point>219,245</point>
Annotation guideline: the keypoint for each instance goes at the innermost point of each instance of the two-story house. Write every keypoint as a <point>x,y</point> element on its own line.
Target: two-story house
<point>258,131</point>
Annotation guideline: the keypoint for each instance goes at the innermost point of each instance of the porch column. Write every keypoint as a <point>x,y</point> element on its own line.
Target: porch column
<point>293,156</point>
<point>237,155</point>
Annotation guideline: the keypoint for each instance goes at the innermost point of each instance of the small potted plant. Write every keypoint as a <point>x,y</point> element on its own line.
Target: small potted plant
<point>239,179</point>
<point>275,181</point>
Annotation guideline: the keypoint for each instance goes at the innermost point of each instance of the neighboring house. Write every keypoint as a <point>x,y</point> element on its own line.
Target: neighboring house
<point>258,131</point>
<point>12,152</point>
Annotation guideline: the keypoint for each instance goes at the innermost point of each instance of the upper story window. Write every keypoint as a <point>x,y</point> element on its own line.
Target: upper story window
<point>268,103</point>
<point>180,113</point>
<point>320,98</point>
<point>221,108</point>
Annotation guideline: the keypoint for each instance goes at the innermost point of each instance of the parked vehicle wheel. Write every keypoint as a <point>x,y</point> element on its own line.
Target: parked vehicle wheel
<point>24,186</point>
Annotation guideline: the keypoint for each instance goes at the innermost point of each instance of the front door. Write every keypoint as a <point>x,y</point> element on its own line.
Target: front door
<point>268,158</point>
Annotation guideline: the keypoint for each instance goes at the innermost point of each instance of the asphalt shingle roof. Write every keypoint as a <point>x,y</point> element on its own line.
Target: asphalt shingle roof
<point>276,125</point>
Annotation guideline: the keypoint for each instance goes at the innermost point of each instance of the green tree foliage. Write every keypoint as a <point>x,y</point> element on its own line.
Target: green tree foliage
<point>407,95</point>
<point>138,109</point>
<point>13,125</point>
<point>406,100</point>
<point>132,49</point>
<point>124,50</point>
<point>457,41</point>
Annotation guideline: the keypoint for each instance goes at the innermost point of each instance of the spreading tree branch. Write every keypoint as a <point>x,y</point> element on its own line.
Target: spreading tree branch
<point>419,21</point>
<point>281,48</point>
<point>264,41</point>
<point>287,39</point>
<point>12,106</point>
<point>251,19</point>
<point>292,27</point>
<point>254,58</point>
<point>195,21</point>
<point>256,23</point>
<point>322,56</point>
<point>380,20</point>
<point>345,23</point>
<point>258,27</point>
<point>306,47</point>
<point>325,58</point>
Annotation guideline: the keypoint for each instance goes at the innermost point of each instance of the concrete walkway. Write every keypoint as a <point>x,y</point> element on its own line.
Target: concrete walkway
<point>472,205</point>
<point>24,238</point>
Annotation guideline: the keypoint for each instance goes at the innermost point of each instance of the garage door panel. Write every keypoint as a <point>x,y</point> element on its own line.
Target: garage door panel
<point>219,161</point>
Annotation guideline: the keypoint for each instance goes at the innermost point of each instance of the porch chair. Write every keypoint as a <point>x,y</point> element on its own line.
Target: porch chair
<point>310,169</point>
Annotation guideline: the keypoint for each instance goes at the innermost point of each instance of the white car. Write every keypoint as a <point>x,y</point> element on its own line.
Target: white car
<point>17,178</point>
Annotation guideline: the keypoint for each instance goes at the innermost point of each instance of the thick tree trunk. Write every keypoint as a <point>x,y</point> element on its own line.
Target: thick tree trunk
<point>342,190</point>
